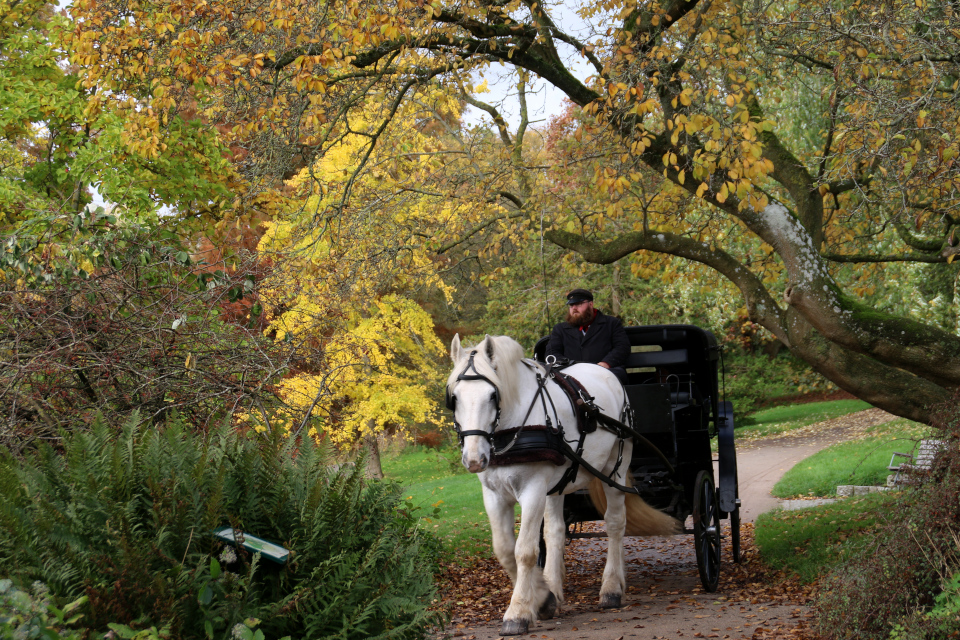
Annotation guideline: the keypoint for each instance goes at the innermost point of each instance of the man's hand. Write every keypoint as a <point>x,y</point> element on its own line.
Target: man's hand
<point>604,365</point>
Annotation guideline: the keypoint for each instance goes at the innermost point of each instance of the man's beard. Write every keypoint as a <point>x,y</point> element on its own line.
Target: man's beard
<point>582,318</point>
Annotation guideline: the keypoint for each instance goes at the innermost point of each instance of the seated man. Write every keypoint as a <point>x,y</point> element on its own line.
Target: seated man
<point>590,336</point>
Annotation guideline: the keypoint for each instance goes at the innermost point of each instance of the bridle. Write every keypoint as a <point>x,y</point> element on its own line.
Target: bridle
<point>452,404</point>
<point>490,436</point>
<point>574,455</point>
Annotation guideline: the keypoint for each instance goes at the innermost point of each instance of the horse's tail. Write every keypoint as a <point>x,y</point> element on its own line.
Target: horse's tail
<point>642,519</point>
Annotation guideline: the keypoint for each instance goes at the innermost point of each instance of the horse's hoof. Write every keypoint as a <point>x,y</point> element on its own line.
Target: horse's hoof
<point>514,627</point>
<point>610,601</point>
<point>548,608</point>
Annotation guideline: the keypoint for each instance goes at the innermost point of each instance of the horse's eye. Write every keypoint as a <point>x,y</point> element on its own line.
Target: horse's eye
<point>493,397</point>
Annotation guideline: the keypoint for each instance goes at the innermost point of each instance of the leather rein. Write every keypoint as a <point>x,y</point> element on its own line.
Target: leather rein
<point>583,407</point>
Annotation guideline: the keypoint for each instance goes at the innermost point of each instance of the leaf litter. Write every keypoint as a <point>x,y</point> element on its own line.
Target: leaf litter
<point>476,591</point>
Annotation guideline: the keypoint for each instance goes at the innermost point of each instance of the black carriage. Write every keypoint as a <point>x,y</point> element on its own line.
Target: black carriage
<point>674,387</point>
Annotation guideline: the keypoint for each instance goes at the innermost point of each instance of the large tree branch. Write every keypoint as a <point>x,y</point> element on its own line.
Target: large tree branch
<point>760,305</point>
<point>914,241</point>
<point>792,174</point>
<point>899,342</point>
<point>881,385</point>
<point>872,258</point>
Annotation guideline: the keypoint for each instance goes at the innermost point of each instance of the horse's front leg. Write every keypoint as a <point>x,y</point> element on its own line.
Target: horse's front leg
<point>531,595</point>
<point>500,512</point>
<point>555,536</point>
<point>614,573</point>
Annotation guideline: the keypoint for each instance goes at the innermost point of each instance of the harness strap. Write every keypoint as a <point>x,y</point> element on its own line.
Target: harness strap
<point>586,412</point>
<point>541,383</point>
<point>582,401</point>
<point>572,470</point>
<point>573,455</point>
<point>584,406</point>
<point>588,417</point>
<point>612,422</point>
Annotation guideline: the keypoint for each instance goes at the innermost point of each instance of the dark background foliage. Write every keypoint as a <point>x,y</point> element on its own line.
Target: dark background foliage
<point>124,319</point>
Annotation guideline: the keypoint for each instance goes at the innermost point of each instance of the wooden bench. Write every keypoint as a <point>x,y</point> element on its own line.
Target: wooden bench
<point>920,459</point>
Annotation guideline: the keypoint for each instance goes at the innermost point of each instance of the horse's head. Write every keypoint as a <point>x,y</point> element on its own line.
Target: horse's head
<point>478,389</point>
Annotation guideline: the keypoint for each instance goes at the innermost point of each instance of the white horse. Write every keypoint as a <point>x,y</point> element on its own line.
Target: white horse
<point>493,388</point>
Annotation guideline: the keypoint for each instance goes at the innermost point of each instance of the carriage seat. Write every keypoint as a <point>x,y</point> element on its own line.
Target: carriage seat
<point>664,363</point>
<point>654,359</point>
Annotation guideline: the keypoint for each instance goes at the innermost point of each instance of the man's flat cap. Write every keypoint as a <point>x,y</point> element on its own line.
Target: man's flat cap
<point>578,295</point>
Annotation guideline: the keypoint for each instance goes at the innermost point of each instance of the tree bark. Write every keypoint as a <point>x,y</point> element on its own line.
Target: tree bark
<point>615,292</point>
<point>374,470</point>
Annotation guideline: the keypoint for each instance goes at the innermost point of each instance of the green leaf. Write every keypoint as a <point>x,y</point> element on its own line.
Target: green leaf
<point>214,568</point>
<point>206,595</point>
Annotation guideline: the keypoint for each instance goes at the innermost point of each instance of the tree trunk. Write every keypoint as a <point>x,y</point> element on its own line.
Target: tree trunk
<point>615,292</point>
<point>373,470</point>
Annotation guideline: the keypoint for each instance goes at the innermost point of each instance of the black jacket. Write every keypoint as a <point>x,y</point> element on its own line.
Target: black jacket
<point>605,341</point>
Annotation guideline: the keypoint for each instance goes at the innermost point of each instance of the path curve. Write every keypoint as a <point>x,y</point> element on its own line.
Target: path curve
<point>664,599</point>
<point>761,463</point>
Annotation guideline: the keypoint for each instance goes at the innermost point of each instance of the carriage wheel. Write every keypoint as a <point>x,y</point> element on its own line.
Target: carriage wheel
<point>706,530</point>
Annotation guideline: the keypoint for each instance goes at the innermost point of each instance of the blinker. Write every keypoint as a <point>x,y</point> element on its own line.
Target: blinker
<point>451,402</point>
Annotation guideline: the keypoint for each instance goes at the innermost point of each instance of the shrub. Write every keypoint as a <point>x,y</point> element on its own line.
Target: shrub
<point>32,614</point>
<point>903,583</point>
<point>126,520</point>
<point>753,380</point>
<point>101,317</point>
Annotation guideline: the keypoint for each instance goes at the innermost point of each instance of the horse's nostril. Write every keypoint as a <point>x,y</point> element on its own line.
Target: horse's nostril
<point>483,461</point>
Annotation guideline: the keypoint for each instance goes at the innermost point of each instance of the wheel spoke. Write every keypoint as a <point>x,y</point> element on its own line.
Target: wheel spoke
<point>706,530</point>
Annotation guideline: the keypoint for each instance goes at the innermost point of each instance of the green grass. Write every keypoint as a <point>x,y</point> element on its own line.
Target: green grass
<point>432,477</point>
<point>430,482</point>
<point>862,461</point>
<point>779,420</point>
<point>811,542</point>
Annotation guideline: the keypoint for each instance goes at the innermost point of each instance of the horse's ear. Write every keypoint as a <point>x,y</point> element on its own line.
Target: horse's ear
<point>455,350</point>
<point>490,350</point>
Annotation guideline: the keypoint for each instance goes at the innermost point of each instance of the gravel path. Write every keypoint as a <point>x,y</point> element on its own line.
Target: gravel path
<point>664,599</point>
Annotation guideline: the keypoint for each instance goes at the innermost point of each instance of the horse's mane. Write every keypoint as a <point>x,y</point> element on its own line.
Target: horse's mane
<point>499,359</point>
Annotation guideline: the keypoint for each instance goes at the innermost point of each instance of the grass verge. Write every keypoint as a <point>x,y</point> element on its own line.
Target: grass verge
<point>811,542</point>
<point>430,481</point>
<point>779,420</point>
<point>863,461</point>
